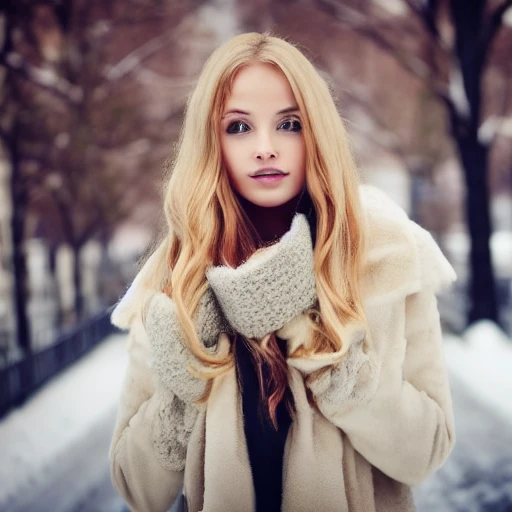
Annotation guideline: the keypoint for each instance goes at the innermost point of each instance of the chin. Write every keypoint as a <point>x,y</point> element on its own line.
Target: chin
<point>271,202</point>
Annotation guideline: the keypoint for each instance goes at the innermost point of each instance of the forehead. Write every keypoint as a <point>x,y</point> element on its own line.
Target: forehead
<point>260,85</point>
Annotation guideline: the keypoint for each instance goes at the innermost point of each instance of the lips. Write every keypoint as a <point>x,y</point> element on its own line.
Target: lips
<point>268,171</point>
<point>269,179</point>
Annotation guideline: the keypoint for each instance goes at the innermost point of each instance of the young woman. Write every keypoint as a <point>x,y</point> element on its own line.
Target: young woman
<point>285,348</point>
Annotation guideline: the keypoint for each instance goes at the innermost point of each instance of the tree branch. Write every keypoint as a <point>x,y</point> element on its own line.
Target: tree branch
<point>413,65</point>
<point>357,21</point>
<point>495,125</point>
<point>71,93</point>
<point>388,140</point>
<point>133,60</point>
<point>45,78</point>
<point>493,27</point>
<point>427,16</point>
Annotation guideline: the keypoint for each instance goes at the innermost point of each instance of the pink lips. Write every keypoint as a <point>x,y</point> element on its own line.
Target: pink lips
<point>272,178</point>
<point>262,175</point>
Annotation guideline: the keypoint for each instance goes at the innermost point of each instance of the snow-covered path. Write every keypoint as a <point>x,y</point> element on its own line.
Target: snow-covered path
<point>78,480</point>
<point>54,449</point>
<point>477,477</point>
<point>54,454</point>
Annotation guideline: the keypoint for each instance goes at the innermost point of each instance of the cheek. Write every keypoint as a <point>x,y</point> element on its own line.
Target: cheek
<point>232,165</point>
<point>301,162</point>
<point>227,157</point>
<point>299,153</point>
<point>303,152</point>
<point>231,156</point>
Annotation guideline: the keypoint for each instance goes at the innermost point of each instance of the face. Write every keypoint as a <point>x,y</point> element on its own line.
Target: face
<point>261,137</point>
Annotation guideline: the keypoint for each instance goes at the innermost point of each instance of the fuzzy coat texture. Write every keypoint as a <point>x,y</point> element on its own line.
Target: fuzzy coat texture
<point>383,419</point>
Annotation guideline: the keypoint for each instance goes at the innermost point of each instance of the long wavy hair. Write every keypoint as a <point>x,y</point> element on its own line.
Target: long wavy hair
<point>206,224</point>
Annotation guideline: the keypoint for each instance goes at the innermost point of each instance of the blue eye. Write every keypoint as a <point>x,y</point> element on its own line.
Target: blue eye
<point>237,127</point>
<point>291,125</point>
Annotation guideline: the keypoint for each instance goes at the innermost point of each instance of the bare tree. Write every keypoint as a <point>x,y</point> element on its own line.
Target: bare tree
<point>460,35</point>
<point>69,98</point>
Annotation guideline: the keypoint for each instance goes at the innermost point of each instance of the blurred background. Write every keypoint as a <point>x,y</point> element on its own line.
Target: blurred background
<point>92,94</point>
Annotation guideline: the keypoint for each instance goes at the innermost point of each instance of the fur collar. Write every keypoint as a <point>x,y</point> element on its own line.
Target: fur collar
<point>392,267</point>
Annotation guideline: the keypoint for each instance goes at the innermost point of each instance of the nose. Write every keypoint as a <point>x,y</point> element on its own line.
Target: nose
<point>265,149</point>
<point>266,155</point>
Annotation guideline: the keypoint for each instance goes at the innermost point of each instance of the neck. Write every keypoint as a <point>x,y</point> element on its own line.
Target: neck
<point>271,223</point>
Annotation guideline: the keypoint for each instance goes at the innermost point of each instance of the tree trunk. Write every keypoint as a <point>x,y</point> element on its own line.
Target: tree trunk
<point>52,260</point>
<point>482,290</point>
<point>77,282</point>
<point>474,155</point>
<point>19,209</point>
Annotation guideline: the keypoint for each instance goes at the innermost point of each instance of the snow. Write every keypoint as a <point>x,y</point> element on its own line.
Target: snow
<point>58,417</point>
<point>507,17</point>
<point>72,406</point>
<point>501,250</point>
<point>482,359</point>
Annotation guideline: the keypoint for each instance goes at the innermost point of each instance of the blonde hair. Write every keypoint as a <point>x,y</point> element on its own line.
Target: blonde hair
<point>206,224</point>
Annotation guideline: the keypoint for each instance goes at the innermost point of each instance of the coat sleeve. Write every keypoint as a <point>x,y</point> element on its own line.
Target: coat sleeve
<point>394,403</point>
<point>137,470</point>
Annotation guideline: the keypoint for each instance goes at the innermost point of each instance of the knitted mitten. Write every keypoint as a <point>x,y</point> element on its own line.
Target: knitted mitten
<point>176,388</point>
<point>170,355</point>
<point>353,372</point>
<point>172,428</point>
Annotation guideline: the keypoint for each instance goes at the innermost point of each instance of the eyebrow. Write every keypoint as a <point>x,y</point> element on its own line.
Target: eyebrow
<point>287,110</point>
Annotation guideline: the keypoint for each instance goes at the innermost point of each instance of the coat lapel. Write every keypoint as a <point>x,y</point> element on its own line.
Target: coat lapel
<point>227,472</point>
<point>312,469</point>
<point>193,482</point>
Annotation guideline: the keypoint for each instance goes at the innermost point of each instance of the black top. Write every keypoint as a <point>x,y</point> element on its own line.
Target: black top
<point>265,445</point>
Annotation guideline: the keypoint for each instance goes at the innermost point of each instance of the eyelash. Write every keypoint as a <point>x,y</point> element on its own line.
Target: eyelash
<point>296,126</point>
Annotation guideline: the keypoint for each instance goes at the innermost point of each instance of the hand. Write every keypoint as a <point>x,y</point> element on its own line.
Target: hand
<point>170,356</point>
<point>350,375</point>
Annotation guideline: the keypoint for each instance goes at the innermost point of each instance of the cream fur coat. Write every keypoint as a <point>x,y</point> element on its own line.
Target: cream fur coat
<point>383,419</point>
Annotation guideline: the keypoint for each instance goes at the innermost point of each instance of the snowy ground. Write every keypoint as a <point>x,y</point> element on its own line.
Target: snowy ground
<point>483,361</point>
<point>477,477</point>
<point>54,449</point>
<point>60,428</point>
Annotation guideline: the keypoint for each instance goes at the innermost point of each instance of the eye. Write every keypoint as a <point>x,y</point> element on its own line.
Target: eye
<point>290,125</point>
<point>237,127</point>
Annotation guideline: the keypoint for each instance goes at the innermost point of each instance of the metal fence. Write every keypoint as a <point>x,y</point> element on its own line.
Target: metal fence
<point>20,379</point>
